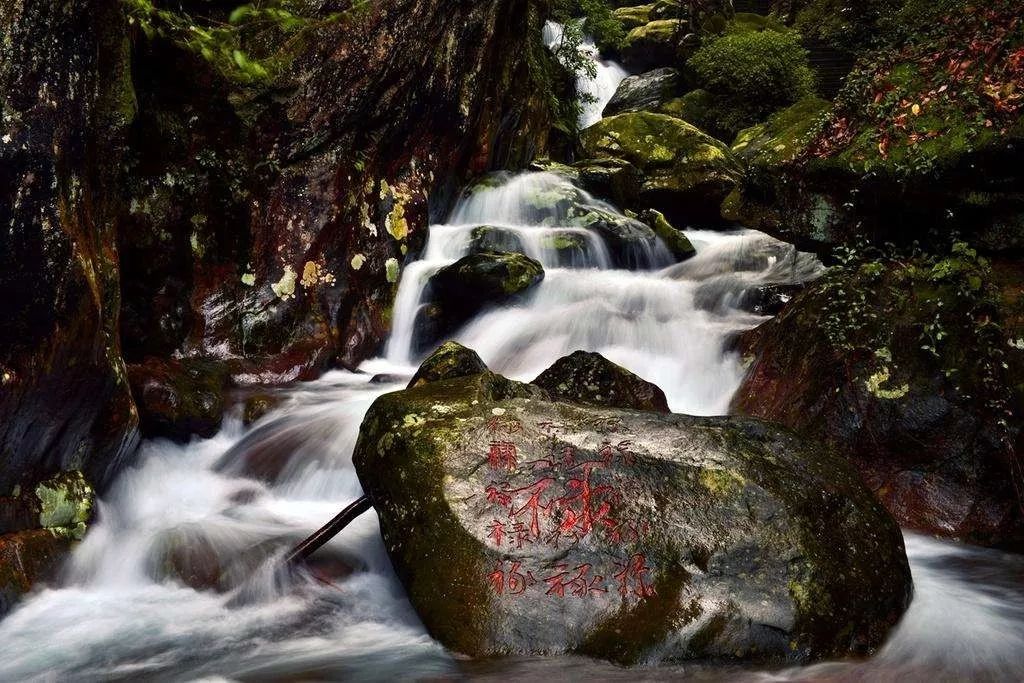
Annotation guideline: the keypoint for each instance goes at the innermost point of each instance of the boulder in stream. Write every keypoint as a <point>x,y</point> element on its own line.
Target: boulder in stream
<point>458,292</point>
<point>521,524</point>
<point>587,377</point>
<point>646,91</point>
<point>686,173</point>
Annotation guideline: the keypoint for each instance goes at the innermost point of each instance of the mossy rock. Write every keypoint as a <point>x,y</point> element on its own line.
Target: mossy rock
<point>779,139</point>
<point>631,244</point>
<point>448,361</point>
<point>634,17</point>
<point>655,44</point>
<point>698,538</point>
<point>28,558</point>
<point>684,169</point>
<point>677,243</point>
<point>457,293</point>
<point>591,378</point>
<point>257,406</point>
<point>911,369</point>
<point>486,238</point>
<point>644,92</point>
<point>614,179</point>
<point>180,398</point>
<point>694,107</point>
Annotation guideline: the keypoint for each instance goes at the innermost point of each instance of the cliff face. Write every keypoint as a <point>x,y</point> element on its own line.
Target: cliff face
<point>66,98</point>
<point>214,230</point>
<point>306,196</point>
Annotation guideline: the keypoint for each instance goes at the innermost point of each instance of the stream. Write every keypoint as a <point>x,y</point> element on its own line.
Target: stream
<point>227,509</point>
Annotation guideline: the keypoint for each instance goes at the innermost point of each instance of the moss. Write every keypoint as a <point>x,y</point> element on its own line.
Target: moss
<point>874,385</point>
<point>657,31</point>
<point>672,152</point>
<point>391,270</point>
<point>285,287</point>
<point>675,240</point>
<point>751,75</point>
<point>634,17</point>
<point>694,107</point>
<point>649,622</point>
<point>65,504</point>
<point>748,22</point>
<point>722,483</point>
<point>784,135</point>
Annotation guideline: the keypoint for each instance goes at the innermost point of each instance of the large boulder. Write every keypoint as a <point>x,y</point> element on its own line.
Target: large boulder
<point>656,43</point>
<point>457,293</point>
<point>913,369</point>
<point>519,524</point>
<point>686,172</point>
<point>586,377</point>
<point>644,92</point>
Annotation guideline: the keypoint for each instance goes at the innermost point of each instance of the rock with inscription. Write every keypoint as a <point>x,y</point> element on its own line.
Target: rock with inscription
<point>591,378</point>
<point>523,524</point>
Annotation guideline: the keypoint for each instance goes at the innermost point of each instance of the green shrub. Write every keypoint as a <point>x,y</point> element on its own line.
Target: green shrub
<point>750,76</point>
<point>849,25</point>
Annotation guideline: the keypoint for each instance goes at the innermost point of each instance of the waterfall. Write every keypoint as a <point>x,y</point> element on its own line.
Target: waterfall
<point>596,89</point>
<point>218,514</point>
<point>669,325</point>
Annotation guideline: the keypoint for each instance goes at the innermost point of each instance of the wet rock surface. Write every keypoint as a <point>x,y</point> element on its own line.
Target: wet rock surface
<point>548,526</point>
<point>457,293</point>
<point>684,170</point>
<point>591,378</point>
<point>180,398</point>
<point>645,91</point>
<point>918,384</point>
<point>67,100</point>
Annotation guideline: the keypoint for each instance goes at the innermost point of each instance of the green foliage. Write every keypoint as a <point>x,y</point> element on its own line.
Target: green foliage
<point>248,48</point>
<point>944,81</point>
<point>750,75</point>
<point>598,20</point>
<point>845,24</point>
<point>883,298</point>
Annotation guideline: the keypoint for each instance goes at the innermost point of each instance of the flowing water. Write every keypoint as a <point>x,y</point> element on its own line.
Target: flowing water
<point>219,514</point>
<point>597,84</point>
<point>230,506</point>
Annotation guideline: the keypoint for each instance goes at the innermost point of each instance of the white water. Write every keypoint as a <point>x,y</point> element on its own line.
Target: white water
<point>119,613</point>
<point>669,325</point>
<point>597,88</point>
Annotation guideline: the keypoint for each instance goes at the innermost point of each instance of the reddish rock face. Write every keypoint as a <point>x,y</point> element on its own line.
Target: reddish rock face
<point>64,401</point>
<point>284,247</point>
<point>27,558</point>
<point>940,449</point>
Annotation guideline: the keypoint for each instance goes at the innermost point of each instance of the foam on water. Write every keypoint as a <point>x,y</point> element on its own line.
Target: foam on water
<point>239,501</point>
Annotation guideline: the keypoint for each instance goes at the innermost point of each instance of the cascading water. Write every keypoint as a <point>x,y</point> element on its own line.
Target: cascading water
<point>668,325</point>
<point>219,514</point>
<point>597,85</point>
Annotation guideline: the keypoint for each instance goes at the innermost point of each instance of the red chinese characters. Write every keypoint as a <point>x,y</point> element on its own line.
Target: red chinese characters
<point>503,455</point>
<point>566,501</point>
<point>581,584</point>
<point>632,577</point>
<point>508,577</point>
